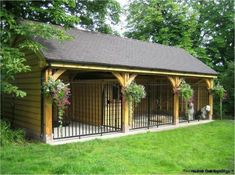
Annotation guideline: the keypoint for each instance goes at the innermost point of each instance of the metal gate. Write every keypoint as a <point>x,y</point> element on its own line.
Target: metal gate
<point>200,100</point>
<point>95,109</point>
<point>156,109</point>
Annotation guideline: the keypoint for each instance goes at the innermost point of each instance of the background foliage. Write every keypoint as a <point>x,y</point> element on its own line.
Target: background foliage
<point>20,24</point>
<point>205,28</point>
<point>202,27</point>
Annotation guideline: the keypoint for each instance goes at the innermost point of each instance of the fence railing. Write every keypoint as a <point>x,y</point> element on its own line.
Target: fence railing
<point>156,109</point>
<point>95,109</point>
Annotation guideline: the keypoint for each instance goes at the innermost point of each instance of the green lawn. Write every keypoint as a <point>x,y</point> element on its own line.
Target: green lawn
<point>208,146</point>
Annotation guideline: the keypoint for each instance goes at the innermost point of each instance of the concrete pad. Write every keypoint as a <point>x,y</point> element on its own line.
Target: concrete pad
<point>132,132</point>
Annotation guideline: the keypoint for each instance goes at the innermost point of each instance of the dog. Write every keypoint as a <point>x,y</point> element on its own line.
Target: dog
<point>190,111</point>
<point>203,112</point>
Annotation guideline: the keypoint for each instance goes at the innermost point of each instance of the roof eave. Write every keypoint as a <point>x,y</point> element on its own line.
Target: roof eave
<point>117,68</point>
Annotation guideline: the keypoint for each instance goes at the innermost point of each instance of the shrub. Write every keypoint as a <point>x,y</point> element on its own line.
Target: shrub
<point>9,136</point>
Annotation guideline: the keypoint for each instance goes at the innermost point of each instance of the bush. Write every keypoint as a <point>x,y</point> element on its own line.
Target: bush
<point>9,136</point>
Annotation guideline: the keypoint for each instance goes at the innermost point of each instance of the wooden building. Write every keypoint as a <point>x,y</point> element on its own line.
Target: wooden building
<point>98,66</point>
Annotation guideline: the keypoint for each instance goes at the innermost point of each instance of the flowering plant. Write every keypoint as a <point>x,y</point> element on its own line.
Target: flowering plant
<point>185,91</point>
<point>134,92</point>
<point>218,90</point>
<point>59,93</point>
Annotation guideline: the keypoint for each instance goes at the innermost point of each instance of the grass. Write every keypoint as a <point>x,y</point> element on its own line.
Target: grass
<point>208,146</point>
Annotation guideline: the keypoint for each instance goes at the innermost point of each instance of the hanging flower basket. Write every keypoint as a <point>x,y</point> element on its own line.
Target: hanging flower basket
<point>134,93</point>
<point>59,92</point>
<point>185,91</point>
<point>219,91</point>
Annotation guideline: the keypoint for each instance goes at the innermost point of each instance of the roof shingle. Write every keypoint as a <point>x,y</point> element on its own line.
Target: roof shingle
<point>96,48</point>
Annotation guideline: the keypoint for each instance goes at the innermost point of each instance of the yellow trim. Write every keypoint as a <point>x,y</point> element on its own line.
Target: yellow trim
<point>77,66</point>
<point>58,73</point>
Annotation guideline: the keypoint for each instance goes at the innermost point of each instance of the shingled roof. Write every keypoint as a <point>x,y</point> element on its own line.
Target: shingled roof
<point>102,49</point>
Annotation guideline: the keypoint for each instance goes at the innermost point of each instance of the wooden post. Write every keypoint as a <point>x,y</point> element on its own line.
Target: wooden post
<point>176,109</point>
<point>198,98</point>
<point>175,81</point>
<point>210,84</point>
<point>125,79</point>
<point>211,105</point>
<point>48,106</point>
<point>47,112</point>
<point>125,116</point>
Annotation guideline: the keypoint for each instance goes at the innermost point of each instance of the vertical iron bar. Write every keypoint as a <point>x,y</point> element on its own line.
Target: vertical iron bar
<point>148,105</point>
<point>103,107</point>
<point>79,112</point>
<point>95,108</point>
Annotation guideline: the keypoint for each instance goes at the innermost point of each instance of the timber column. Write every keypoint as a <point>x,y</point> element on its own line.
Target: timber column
<point>47,113</point>
<point>125,79</point>
<point>210,84</point>
<point>47,106</point>
<point>175,82</point>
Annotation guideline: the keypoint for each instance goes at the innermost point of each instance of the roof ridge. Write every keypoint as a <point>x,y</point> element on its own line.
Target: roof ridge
<point>125,38</point>
<point>104,34</point>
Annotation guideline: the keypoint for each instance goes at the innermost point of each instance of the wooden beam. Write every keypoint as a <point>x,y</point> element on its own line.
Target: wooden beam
<point>172,80</point>
<point>125,115</point>
<point>131,79</point>
<point>120,78</point>
<point>125,79</point>
<point>47,111</point>
<point>112,69</point>
<point>176,109</point>
<point>58,73</point>
<point>175,82</point>
<point>210,85</point>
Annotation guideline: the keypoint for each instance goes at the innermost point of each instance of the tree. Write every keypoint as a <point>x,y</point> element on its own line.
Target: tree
<point>95,15</point>
<point>202,27</point>
<point>227,80</point>
<point>215,30</point>
<point>162,21</point>
<point>20,24</point>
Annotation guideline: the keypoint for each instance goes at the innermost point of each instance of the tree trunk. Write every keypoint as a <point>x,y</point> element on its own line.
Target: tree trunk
<point>220,105</point>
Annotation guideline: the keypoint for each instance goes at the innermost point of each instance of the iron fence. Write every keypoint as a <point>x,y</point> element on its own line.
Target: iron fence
<point>95,109</point>
<point>198,110</point>
<point>156,109</point>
